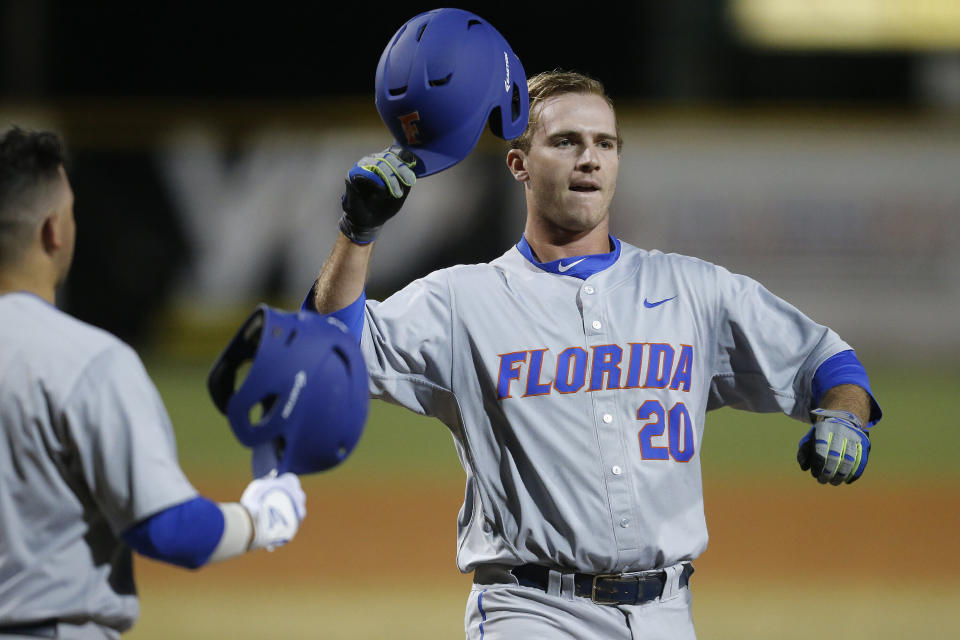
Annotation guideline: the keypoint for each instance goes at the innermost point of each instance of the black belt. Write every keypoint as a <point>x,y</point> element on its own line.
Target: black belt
<point>46,629</point>
<point>606,588</point>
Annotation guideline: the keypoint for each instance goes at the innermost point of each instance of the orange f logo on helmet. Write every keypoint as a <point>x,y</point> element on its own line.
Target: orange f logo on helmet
<point>408,121</point>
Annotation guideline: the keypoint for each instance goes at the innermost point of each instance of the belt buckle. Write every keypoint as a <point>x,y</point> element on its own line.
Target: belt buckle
<point>593,590</point>
<point>637,578</point>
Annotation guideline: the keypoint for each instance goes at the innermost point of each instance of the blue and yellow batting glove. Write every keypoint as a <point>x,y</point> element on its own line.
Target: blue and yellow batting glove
<point>836,448</point>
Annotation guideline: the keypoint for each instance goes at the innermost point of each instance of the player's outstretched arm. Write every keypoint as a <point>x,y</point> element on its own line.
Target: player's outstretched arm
<point>273,508</point>
<point>837,447</point>
<point>375,189</point>
<point>199,531</point>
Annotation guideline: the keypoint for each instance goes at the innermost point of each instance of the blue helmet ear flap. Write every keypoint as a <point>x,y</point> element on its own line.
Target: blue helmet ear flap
<point>303,402</point>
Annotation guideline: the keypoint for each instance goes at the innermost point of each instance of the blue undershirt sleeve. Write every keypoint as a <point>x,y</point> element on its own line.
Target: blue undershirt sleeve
<point>844,368</point>
<point>307,304</point>
<point>351,316</point>
<point>185,534</point>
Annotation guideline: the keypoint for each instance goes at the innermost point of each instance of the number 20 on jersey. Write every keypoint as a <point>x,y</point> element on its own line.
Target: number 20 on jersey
<point>677,443</point>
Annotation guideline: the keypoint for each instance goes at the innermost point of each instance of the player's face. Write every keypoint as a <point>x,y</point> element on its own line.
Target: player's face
<point>571,168</point>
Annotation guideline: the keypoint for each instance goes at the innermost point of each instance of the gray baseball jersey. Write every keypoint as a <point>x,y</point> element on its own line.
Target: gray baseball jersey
<point>577,405</point>
<point>86,451</point>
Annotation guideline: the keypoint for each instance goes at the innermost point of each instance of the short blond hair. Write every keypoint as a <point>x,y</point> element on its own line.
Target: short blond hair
<point>554,83</point>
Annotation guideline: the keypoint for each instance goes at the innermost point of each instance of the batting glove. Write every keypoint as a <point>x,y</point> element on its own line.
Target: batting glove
<point>277,505</point>
<point>376,188</point>
<point>836,447</point>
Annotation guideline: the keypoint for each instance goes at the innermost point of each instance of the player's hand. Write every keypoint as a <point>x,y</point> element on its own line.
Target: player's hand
<point>376,188</point>
<point>836,448</point>
<point>276,504</point>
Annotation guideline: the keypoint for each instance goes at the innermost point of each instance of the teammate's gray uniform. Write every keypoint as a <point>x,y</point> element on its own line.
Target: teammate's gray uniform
<point>577,406</point>
<point>86,451</point>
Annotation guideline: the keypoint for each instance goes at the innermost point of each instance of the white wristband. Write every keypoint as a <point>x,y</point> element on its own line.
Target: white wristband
<point>237,532</point>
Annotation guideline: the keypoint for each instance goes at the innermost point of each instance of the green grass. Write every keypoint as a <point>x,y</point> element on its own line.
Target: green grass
<point>917,439</point>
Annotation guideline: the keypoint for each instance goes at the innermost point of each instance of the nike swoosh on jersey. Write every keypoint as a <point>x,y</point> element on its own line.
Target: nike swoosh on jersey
<point>562,268</point>
<point>651,305</point>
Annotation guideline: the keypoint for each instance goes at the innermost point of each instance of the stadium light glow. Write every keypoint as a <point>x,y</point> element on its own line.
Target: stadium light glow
<point>848,24</point>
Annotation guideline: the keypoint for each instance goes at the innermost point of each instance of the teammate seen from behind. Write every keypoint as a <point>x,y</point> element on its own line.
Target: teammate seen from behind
<point>88,464</point>
<point>575,372</point>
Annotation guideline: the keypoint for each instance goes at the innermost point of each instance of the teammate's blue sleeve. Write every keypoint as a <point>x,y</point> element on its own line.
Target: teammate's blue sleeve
<point>844,368</point>
<point>351,316</point>
<point>185,534</point>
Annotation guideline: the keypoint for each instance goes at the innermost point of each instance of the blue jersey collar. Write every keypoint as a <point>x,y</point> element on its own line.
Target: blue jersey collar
<point>577,266</point>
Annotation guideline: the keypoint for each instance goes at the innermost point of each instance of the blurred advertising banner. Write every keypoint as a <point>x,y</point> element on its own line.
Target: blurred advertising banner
<point>852,217</point>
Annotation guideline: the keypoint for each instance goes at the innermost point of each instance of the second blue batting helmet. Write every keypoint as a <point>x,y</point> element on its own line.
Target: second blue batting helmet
<point>442,77</point>
<point>303,402</point>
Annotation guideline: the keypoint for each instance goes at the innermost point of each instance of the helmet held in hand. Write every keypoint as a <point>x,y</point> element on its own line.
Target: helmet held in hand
<point>442,78</point>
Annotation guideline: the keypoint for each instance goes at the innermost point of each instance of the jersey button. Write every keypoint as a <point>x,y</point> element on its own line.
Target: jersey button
<point>588,289</point>
<point>616,470</point>
<point>596,325</point>
<point>607,418</point>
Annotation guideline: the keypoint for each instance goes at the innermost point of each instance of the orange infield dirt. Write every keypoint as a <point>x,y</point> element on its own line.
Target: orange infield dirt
<point>794,529</point>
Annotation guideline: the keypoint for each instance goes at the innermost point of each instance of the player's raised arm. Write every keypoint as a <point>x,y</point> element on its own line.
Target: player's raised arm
<point>376,187</point>
<point>437,90</point>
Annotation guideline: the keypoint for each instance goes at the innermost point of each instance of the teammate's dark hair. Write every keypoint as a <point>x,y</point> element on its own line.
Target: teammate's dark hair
<point>554,83</point>
<point>29,162</point>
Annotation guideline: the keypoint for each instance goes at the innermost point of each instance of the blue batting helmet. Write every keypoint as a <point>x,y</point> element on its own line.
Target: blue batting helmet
<point>303,403</point>
<point>443,76</point>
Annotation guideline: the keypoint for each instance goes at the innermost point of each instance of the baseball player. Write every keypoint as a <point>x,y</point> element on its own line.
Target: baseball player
<point>88,465</point>
<point>575,372</point>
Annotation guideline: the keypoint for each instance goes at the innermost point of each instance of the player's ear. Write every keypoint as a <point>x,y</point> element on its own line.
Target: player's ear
<point>51,233</point>
<point>57,230</point>
<point>517,163</point>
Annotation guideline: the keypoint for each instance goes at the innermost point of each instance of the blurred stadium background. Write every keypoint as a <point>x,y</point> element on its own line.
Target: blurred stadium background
<point>811,144</point>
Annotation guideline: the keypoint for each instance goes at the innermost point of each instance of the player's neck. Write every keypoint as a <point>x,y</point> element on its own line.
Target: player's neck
<point>31,280</point>
<point>551,243</point>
